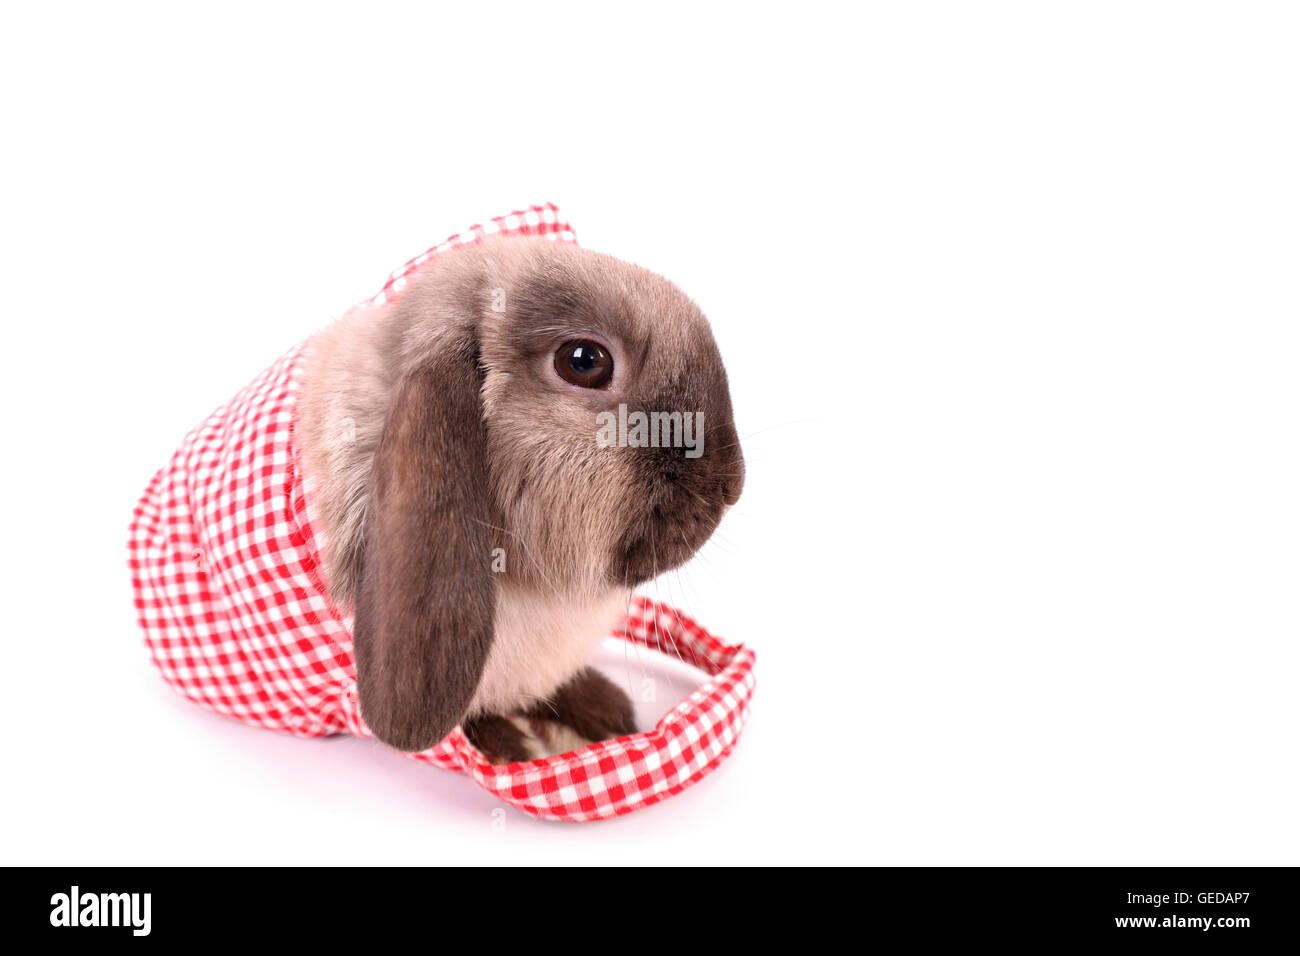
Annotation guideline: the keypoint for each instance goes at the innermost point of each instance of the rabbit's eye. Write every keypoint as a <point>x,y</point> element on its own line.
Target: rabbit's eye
<point>584,363</point>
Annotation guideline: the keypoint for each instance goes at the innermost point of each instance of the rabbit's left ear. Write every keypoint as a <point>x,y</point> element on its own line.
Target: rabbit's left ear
<point>426,598</point>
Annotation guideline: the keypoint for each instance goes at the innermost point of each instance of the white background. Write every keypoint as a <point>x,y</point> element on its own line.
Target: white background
<point>1008,297</point>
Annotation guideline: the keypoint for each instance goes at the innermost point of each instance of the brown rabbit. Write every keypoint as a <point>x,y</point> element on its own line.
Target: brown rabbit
<point>484,538</point>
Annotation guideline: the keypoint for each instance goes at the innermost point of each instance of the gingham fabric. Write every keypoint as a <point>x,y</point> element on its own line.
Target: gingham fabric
<point>230,594</point>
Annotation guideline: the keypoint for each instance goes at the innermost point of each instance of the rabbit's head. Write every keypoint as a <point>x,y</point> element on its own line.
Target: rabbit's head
<point>526,412</point>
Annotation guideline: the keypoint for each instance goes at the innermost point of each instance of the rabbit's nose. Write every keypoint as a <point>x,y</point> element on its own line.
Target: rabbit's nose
<point>733,477</point>
<point>731,491</point>
<point>731,488</point>
<point>729,463</point>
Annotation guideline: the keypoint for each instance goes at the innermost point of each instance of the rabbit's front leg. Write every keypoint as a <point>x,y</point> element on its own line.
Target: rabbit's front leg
<point>500,739</point>
<point>590,705</point>
<point>586,708</point>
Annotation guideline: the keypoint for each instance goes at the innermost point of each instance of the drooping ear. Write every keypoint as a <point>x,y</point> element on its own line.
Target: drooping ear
<point>425,601</point>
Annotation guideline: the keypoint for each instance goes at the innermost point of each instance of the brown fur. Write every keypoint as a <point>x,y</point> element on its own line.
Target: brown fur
<point>591,704</point>
<point>588,704</point>
<point>499,740</point>
<point>436,415</point>
<point>426,601</point>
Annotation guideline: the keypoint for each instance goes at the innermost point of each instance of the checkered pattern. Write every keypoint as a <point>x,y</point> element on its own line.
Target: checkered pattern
<point>614,777</point>
<point>230,594</point>
<point>542,221</point>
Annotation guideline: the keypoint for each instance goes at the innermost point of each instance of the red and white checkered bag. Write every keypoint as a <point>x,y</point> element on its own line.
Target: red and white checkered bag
<point>229,591</point>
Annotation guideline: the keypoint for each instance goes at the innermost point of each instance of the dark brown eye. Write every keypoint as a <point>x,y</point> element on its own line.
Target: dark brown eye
<point>584,363</point>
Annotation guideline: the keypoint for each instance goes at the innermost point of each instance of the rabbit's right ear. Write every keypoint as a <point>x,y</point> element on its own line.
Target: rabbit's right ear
<point>426,598</point>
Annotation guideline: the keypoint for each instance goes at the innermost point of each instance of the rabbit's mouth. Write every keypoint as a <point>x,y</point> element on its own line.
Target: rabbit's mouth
<point>674,521</point>
<point>684,502</point>
<point>662,541</point>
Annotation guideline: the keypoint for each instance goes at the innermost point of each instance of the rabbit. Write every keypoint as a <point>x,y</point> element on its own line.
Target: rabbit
<point>483,538</point>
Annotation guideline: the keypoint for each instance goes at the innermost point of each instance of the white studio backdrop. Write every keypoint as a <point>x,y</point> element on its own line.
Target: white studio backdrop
<point>1008,299</point>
